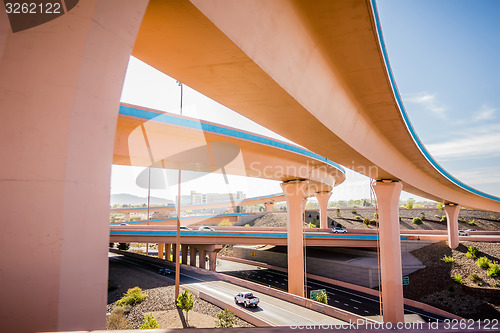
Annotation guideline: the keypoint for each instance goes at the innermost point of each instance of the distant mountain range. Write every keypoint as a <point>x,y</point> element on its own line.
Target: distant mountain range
<point>129,199</point>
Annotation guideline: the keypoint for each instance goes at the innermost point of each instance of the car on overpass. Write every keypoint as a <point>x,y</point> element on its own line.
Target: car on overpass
<point>183,227</point>
<point>463,233</point>
<point>339,230</point>
<point>247,298</point>
<point>206,228</point>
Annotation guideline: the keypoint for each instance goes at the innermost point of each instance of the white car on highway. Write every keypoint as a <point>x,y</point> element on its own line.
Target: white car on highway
<point>339,230</point>
<point>247,298</point>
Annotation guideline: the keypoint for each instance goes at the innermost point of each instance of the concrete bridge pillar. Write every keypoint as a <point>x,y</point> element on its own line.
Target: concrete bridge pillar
<point>323,198</point>
<point>161,247</point>
<point>201,258</point>
<point>452,211</point>
<point>192,256</point>
<point>60,86</point>
<point>294,193</point>
<point>387,193</point>
<point>212,260</point>
<point>127,217</point>
<point>168,249</point>
<point>184,254</point>
<point>269,206</point>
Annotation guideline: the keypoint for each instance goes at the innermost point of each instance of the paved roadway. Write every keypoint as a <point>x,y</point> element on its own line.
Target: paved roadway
<point>339,297</point>
<point>274,311</point>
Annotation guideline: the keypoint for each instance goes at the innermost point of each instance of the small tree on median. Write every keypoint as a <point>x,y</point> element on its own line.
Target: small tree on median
<point>322,297</point>
<point>185,302</point>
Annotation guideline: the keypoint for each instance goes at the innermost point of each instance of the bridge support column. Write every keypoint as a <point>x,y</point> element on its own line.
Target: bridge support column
<point>212,260</point>
<point>184,254</point>
<point>269,206</point>
<point>160,250</point>
<point>192,256</point>
<point>294,193</point>
<point>174,247</point>
<point>390,250</point>
<point>201,258</point>
<point>127,217</point>
<point>323,198</point>
<point>168,249</point>
<point>452,211</point>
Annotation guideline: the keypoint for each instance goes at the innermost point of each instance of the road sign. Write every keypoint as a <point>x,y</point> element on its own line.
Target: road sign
<point>314,293</point>
<point>406,280</point>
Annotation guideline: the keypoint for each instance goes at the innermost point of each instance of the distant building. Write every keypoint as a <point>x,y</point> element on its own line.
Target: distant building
<point>196,198</point>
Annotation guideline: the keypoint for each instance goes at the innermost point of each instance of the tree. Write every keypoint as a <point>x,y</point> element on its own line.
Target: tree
<point>226,319</point>
<point>185,302</point>
<point>409,203</point>
<point>440,205</point>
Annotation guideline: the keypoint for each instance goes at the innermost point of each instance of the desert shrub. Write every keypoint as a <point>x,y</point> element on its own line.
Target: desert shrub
<point>417,220</point>
<point>483,263</point>
<point>458,278</point>
<point>247,225</point>
<point>366,221</point>
<point>443,219</point>
<point>447,259</point>
<point>149,322</point>
<point>312,225</point>
<point>373,221</point>
<point>472,252</point>
<point>226,319</point>
<point>339,214</point>
<point>354,212</point>
<point>440,205</point>
<point>225,223</point>
<point>117,320</point>
<point>375,215</point>
<point>494,270</point>
<point>409,203</point>
<point>475,279</point>
<point>437,217</point>
<point>358,217</point>
<point>423,215</point>
<point>133,297</point>
<point>473,222</point>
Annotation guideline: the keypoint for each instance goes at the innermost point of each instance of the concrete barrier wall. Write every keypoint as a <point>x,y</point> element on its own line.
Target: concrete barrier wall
<point>362,289</point>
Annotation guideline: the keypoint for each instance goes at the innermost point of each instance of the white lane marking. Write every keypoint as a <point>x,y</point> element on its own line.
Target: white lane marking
<point>355,300</point>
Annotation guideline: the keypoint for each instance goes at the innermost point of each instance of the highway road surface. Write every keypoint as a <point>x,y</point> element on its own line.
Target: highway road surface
<point>274,311</point>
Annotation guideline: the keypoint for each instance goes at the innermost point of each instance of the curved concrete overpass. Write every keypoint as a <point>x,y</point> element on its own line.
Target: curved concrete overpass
<point>315,72</point>
<point>146,137</point>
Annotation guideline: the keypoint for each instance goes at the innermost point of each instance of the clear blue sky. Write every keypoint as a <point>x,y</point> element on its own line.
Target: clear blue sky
<point>444,58</point>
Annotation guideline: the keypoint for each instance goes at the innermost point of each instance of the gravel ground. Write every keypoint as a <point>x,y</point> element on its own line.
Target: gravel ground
<point>160,296</point>
<point>435,285</point>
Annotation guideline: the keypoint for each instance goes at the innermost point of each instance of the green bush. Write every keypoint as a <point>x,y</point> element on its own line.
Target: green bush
<point>475,279</point>
<point>366,221</point>
<point>443,219</point>
<point>312,225</point>
<point>423,215</point>
<point>440,205</point>
<point>458,278</point>
<point>409,203</point>
<point>472,252</point>
<point>375,215</point>
<point>133,297</point>
<point>437,217</point>
<point>339,214</point>
<point>247,225</point>
<point>494,270</point>
<point>354,212</point>
<point>322,297</point>
<point>149,322</point>
<point>417,220</point>
<point>226,319</point>
<point>358,217</point>
<point>483,263</point>
<point>473,222</point>
<point>447,259</point>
